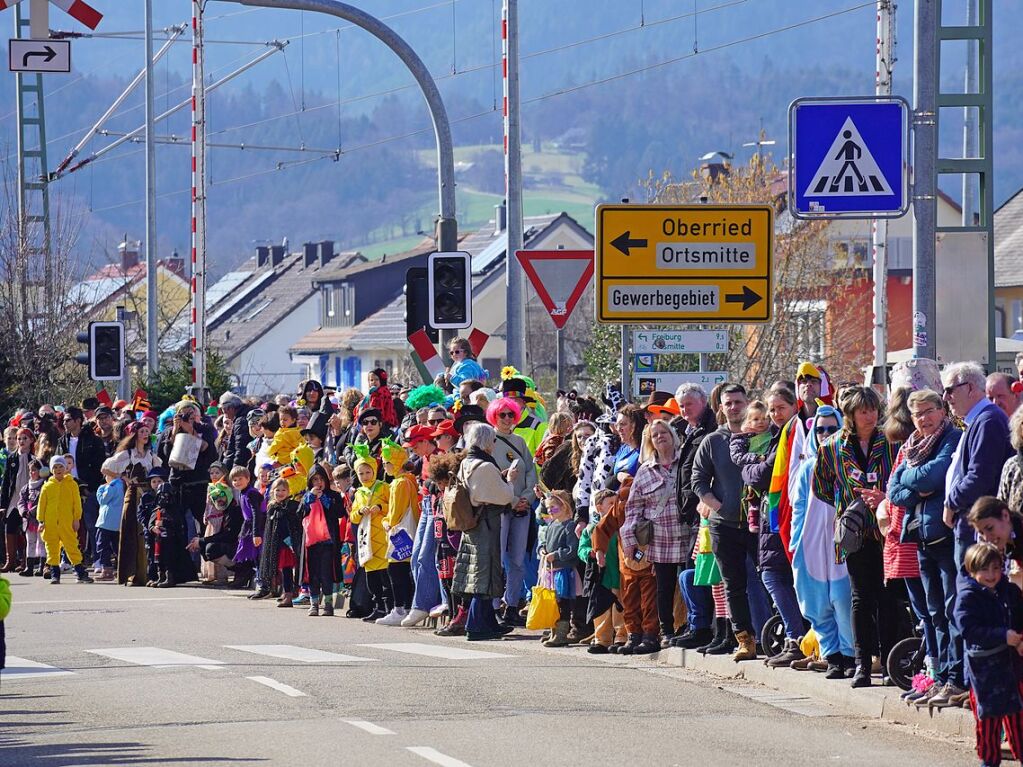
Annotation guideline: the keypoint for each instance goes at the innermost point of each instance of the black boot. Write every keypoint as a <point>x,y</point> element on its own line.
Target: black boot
<point>30,567</point>
<point>242,577</point>
<point>836,666</point>
<point>727,644</point>
<point>861,678</point>
<point>630,646</point>
<point>83,574</point>
<point>694,638</point>
<point>720,631</point>
<point>650,644</point>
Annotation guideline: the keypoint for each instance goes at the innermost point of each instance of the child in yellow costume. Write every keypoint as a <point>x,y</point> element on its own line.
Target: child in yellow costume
<point>400,523</point>
<point>369,507</point>
<point>286,439</point>
<point>60,515</point>
<point>302,460</point>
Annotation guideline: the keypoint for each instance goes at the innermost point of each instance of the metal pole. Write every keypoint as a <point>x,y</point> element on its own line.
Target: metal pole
<point>925,153</point>
<point>515,316</point>
<point>39,19</point>
<point>198,204</point>
<point>152,331</point>
<point>885,61</point>
<point>123,383</point>
<point>626,383</point>
<point>969,118</point>
<point>560,361</point>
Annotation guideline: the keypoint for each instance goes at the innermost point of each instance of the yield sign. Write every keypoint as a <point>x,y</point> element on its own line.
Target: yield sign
<point>560,278</point>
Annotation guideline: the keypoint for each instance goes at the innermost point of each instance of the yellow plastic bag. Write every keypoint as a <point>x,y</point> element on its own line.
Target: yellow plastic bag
<point>543,609</point>
<point>810,645</point>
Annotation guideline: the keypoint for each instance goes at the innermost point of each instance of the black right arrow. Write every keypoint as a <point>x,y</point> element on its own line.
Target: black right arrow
<point>747,298</point>
<point>624,243</point>
<point>49,56</point>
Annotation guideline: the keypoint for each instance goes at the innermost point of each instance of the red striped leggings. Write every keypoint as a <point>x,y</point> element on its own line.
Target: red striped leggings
<point>989,734</point>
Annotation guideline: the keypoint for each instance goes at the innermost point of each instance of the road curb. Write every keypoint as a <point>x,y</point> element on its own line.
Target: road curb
<point>882,703</point>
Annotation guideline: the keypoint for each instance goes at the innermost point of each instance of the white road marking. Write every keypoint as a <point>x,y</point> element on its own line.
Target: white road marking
<point>372,729</point>
<point>279,686</point>
<point>795,704</point>
<point>435,756</point>
<point>291,652</point>
<point>157,657</point>
<point>23,668</point>
<point>437,651</point>
<point>140,599</point>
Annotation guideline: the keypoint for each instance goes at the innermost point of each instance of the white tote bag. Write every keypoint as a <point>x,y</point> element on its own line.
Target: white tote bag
<point>185,452</point>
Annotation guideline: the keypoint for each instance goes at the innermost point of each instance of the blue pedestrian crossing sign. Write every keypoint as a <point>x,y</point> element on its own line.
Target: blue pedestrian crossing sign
<point>848,158</point>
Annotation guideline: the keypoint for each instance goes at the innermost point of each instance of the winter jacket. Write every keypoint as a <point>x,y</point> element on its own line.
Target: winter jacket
<point>908,485</point>
<point>90,452</point>
<point>283,444</point>
<point>508,449</point>
<point>714,473</point>
<point>236,450</point>
<point>691,437</point>
<point>333,507</point>
<point>562,543</point>
<point>28,502</point>
<point>111,505</point>
<point>992,666</point>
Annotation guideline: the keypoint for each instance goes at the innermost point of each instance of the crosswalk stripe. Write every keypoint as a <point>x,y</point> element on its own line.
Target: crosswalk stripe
<point>273,684</point>
<point>436,651</point>
<point>23,668</point>
<point>157,657</point>
<point>372,729</point>
<point>435,756</point>
<point>302,654</point>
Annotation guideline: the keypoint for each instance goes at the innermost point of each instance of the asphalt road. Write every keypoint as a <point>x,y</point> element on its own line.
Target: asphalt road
<point>190,676</point>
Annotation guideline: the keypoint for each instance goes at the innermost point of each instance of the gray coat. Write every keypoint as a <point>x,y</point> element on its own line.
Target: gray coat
<point>478,570</point>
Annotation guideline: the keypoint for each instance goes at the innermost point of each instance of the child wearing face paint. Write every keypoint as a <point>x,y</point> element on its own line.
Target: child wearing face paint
<point>369,507</point>
<point>989,612</point>
<point>559,552</point>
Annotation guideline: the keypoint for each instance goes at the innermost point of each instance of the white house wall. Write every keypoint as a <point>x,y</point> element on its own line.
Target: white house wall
<point>266,366</point>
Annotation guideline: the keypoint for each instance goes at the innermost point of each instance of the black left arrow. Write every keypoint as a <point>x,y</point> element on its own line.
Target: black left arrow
<point>48,55</point>
<point>747,298</point>
<point>624,242</point>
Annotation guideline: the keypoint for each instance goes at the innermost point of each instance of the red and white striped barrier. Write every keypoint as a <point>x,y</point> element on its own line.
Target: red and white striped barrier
<point>78,9</point>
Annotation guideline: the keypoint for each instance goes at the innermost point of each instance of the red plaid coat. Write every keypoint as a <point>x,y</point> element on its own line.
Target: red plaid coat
<point>654,497</point>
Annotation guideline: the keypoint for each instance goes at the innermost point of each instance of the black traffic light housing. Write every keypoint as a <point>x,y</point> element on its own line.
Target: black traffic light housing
<point>104,353</point>
<point>450,285</point>
<point>417,303</point>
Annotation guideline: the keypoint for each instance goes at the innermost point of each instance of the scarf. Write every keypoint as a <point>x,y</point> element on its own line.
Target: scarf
<point>919,447</point>
<point>481,454</point>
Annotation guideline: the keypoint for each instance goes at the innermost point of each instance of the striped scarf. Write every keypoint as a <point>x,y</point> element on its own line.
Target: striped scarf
<point>919,446</point>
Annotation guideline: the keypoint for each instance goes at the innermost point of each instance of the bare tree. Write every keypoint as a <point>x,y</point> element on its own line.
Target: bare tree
<point>39,312</point>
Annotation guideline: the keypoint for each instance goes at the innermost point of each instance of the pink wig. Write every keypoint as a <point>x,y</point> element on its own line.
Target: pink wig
<point>503,403</point>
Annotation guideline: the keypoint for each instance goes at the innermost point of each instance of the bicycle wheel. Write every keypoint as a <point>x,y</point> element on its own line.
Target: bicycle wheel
<point>905,661</point>
<point>772,636</point>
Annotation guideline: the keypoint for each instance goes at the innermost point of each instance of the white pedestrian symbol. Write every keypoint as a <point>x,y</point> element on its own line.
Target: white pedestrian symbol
<point>848,169</point>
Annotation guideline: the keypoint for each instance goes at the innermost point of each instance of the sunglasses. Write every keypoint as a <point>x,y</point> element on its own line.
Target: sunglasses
<point>457,351</point>
<point>826,429</point>
<point>435,421</point>
<point>370,421</point>
<point>506,414</point>
<point>949,389</point>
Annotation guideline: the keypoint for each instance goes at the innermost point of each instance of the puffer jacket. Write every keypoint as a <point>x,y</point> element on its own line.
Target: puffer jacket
<point>921,491</point>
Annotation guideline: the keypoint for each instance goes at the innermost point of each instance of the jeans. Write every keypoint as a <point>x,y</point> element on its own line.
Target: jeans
<point>938,576</point>
<point>514,537</point>
<point>482,618</point>
<point>106,545</point>
<point>90,515</point>
<point>424,564</point>
<point>699,602</point>
<point>875,606</point>
<point>964,538</point>
<point>735,549</point>
<point>783,594</point>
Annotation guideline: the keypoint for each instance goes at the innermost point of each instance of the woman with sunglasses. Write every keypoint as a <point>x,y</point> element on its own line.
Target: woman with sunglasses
<point>856,464</point>
<point>371,433</point>
<point>918,486</point>
<point>822,583</point>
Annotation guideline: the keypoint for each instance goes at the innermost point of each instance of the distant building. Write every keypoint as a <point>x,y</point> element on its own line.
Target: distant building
<point>1009,268</point>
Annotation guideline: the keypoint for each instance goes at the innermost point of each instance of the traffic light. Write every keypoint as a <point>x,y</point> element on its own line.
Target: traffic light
<point>417,303</point>
<point>450,286</point>
<point>105,350</point>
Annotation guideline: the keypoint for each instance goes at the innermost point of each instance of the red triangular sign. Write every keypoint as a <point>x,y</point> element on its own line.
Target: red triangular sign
<point>560,278</point>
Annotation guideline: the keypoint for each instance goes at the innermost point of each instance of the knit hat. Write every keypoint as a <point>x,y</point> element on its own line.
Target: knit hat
<point>111,466</point>
<point>229,399</point>
<point>57,460</point>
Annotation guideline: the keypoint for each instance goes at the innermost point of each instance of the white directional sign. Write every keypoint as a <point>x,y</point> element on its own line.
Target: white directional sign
<point>645,383</point>
<point>40,56</point>
<point>679,341</point>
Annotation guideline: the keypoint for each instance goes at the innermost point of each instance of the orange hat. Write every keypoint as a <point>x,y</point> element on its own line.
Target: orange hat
<point>670,406</point>
<point>120,404</point>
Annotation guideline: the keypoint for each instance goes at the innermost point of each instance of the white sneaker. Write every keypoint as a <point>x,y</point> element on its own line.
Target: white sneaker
<point>439,611</point>
<point>393,618</point>
<point>414,618</point>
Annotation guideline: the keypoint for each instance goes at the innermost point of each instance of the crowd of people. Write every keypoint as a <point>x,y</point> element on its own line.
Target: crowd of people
<point>840,520</point>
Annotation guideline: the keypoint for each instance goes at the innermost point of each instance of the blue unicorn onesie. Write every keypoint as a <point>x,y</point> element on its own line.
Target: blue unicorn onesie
<point>821,580</point>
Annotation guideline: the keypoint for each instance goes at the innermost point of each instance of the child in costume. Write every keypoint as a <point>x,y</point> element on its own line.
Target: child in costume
<point>147,506</point>
<point>594,549</point>
<point>464,366</point>
<point>281,533</point>
<point>286,438</point>
<point>28,502</point>
<point>369,507</point>
<point>989,612</point>
<point>219,540</point>
<point>60,516</point>
<point>747,448</point>
<point>400,524</point>
<point>319,514</point>
<point>559,553</point>
<point>379,397</point>
<point>246,555</point>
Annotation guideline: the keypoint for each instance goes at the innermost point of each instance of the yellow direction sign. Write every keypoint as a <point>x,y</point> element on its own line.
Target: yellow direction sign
<point>684,263</point>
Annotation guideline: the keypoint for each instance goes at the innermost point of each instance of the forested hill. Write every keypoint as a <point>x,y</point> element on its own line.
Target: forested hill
<point>734,66</point>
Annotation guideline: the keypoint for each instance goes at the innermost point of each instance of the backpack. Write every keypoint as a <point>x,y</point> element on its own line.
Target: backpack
<point>459,514</point>
<point>851,526</point>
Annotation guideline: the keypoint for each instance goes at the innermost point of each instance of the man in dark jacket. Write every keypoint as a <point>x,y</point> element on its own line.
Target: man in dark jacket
<point>977,463</point>
<point>89,450</point>
<point>236,449</point>
<point>696,422</point>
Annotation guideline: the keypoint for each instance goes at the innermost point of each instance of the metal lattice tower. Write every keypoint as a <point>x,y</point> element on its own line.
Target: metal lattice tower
<point>33,186</point>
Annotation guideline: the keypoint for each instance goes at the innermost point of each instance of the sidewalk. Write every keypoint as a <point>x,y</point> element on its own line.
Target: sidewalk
<point>875,702</point>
